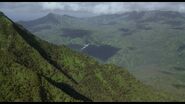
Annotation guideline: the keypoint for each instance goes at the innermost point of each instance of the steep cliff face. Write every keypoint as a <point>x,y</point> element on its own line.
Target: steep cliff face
<point>34,70</point>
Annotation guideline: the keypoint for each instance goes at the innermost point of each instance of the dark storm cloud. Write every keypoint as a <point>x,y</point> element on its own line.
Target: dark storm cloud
<point>31,10</point>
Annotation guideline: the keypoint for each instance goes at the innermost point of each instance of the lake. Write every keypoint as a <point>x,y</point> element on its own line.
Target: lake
<point>102,52</point>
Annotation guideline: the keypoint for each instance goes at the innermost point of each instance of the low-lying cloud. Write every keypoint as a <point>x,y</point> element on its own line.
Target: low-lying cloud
<point>113,7</point>
<point>32,10</point>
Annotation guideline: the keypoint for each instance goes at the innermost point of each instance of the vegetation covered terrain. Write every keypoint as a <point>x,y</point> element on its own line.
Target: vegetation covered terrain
<point>35,70</point>
<point>150,44</point>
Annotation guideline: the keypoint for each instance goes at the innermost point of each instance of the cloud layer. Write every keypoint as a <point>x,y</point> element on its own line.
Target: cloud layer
<point>114,7</point>
<point>31,10</point>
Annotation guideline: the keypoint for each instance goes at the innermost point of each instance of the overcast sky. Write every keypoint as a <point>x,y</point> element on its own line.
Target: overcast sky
<point>31,10</point>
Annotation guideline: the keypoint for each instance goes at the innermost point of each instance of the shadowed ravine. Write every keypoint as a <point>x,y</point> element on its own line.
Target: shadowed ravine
<point>42,91</point>
<point>68,90</point>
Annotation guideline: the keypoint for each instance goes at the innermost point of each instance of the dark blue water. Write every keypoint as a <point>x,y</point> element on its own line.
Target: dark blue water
<point>102,52</point>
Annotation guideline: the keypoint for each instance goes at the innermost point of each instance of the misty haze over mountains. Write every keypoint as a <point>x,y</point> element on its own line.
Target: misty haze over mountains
<point>21,11</point>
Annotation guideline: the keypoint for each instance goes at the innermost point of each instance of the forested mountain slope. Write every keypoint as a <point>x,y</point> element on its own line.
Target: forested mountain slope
<point>35,70</point>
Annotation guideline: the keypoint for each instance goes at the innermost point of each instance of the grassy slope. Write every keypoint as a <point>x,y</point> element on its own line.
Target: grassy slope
<point>34,70</point>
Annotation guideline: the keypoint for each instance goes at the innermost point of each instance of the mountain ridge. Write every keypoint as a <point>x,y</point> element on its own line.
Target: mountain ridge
<point>153,12</point>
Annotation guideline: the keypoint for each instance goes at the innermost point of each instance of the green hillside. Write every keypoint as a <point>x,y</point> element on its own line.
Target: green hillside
<point>35,70</point>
